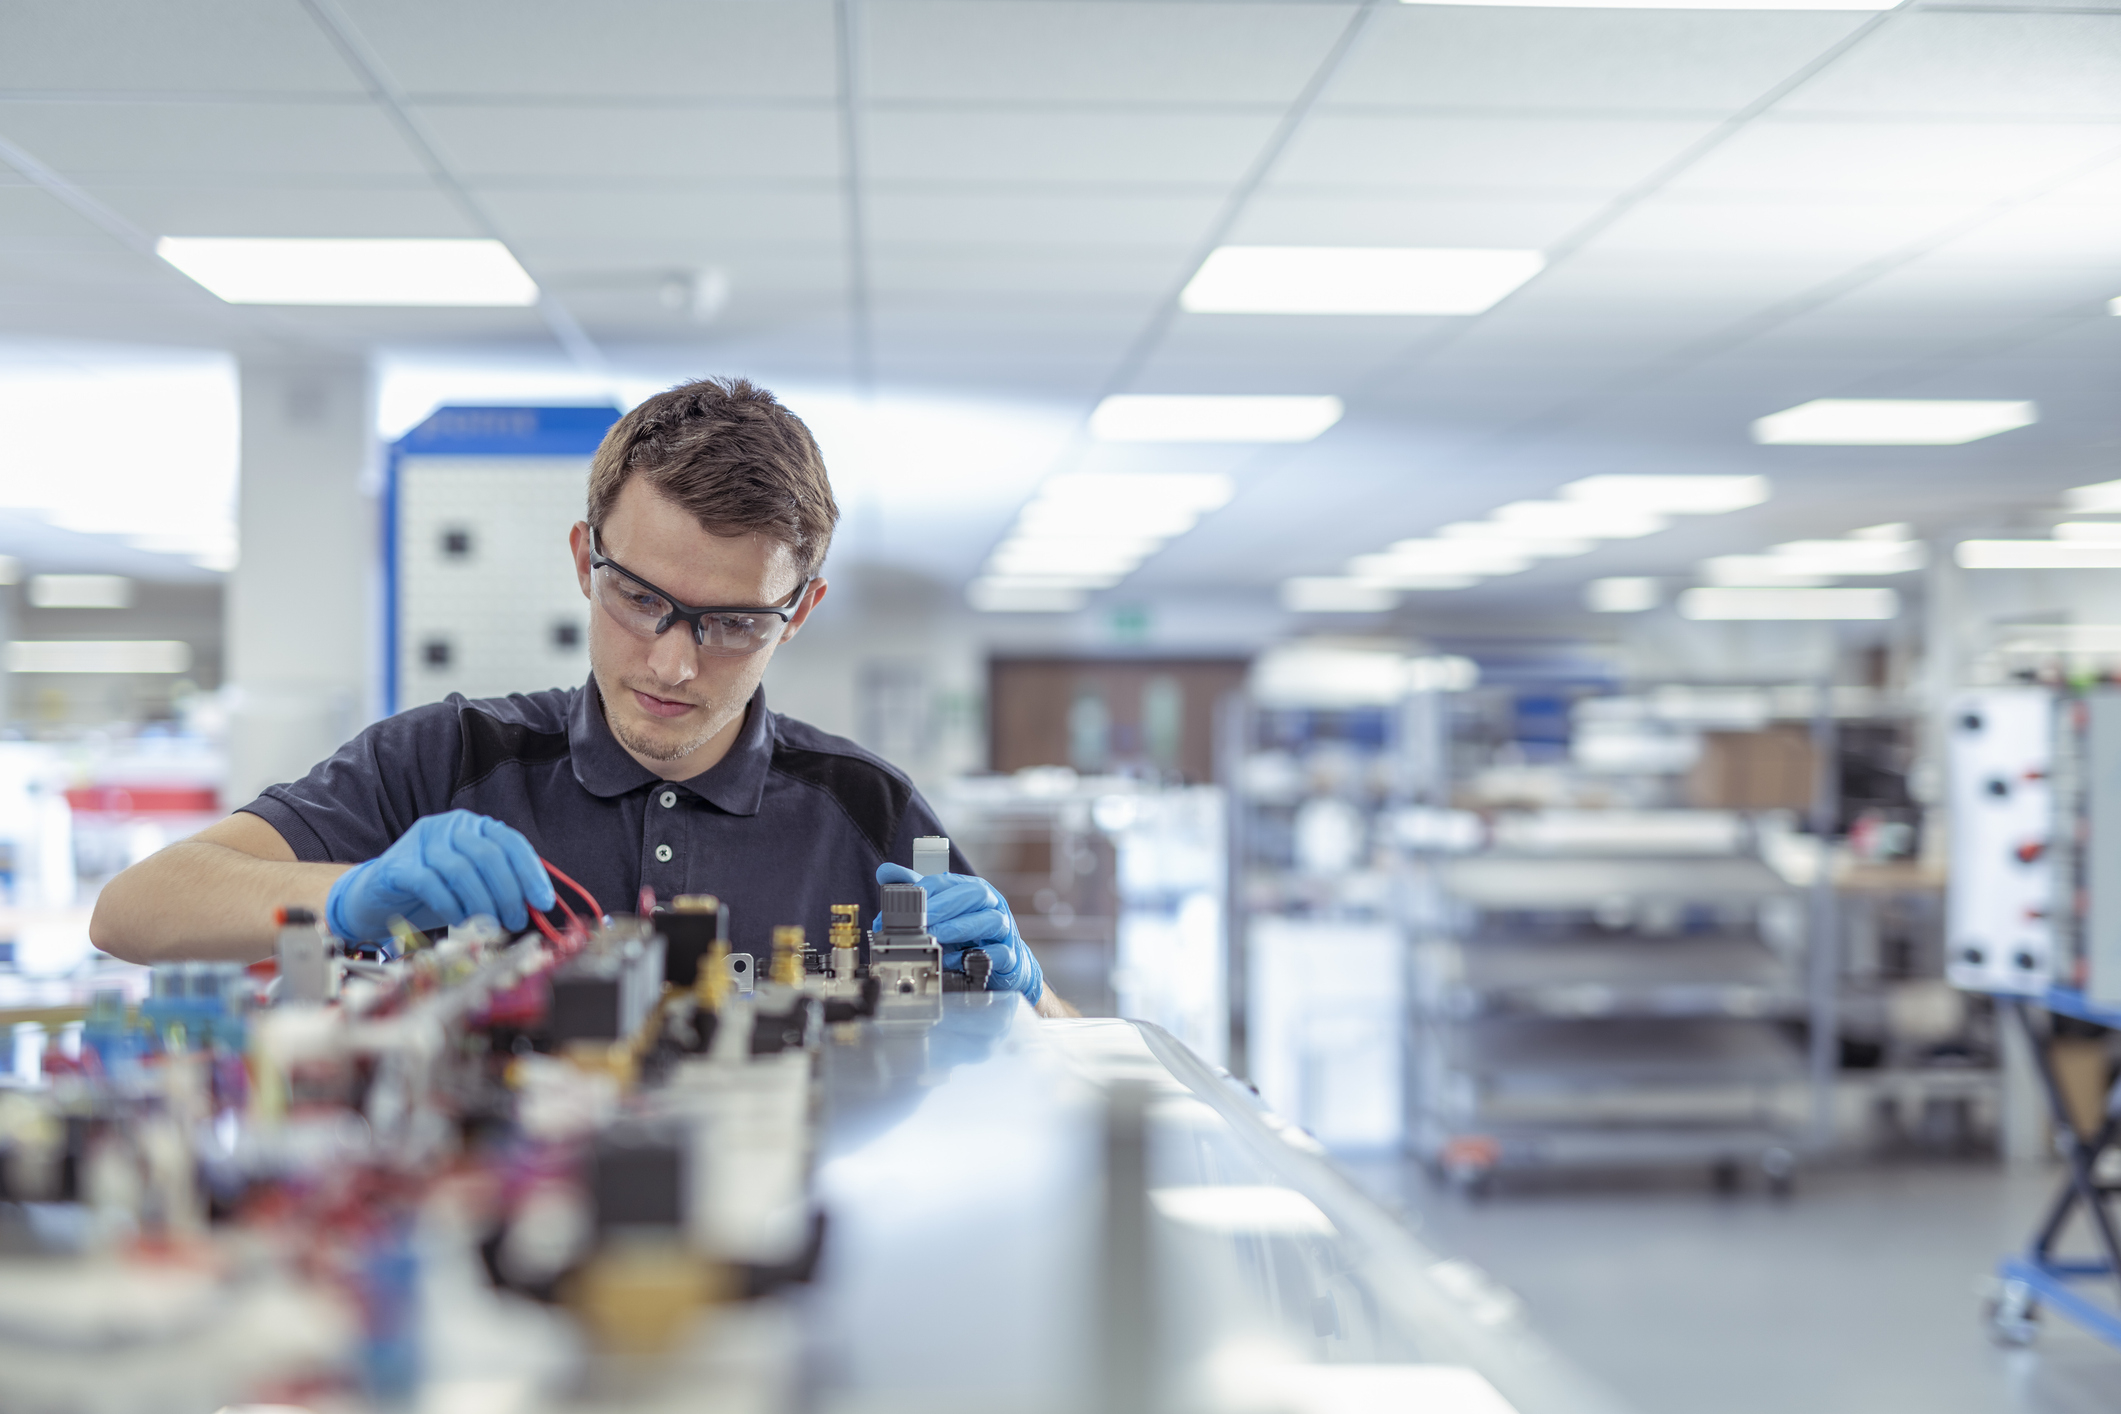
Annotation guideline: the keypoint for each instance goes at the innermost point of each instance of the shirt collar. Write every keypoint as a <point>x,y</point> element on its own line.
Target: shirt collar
<point>735,783</point>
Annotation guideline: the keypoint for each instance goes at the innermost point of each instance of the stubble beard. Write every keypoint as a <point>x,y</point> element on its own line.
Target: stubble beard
<point>667,748</point>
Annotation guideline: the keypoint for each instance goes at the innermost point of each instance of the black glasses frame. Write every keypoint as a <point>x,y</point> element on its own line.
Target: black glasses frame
<point>692,616</point>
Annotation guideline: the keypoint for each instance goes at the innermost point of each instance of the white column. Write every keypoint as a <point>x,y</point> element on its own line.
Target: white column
<point>301,605</point>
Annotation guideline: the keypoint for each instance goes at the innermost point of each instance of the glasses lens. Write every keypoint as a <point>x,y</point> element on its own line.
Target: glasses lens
<point>637,609</point>
<point>738,635</point>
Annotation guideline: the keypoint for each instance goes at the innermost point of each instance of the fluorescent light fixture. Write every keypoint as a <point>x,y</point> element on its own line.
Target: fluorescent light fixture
<point>1891,422</point>
<point>1323,595</point>
<point>80,591</point>
<point>1073,563</point>
<point>1781,603</point>
<point>1673,4</point>
<point>48,655</point>
<point>1157,417</point>
<point>1394,573</point>
<point>1487,532</point>
<point>1670,495</point>
<point>1623,594</point>
<point>1274,279</point>
<point>1897,532</point>
<point>2104,532</point>
<point>1000,596</point>
<point>2101,496</point>
<point>10,570</point>
<point>2113,306</point>
<point>249,270</point>
<point>2037,555</point>
<point>1041,519</point>
<point>1116,492</point>
<point>1579,519</point>
<point>1845,557</point>
<point>1758,570</point>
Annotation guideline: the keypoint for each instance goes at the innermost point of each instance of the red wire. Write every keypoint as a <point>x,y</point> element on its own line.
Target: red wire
<point>595,908</point>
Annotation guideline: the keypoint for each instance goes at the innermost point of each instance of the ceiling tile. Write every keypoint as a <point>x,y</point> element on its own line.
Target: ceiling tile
<point>673,145</point>
<point>1049,51</point>
<point>1598,283</point>
<point>1623,60</point>
<point>153,46</point>
<point>1944,284</point>
<point>721,49</point>
<point>1956,65</point>
<point>288,209</point>
<point>1056,220</point>
<point>2078,233</point>
<point>731,216</point>
<point>1956,161</point>
<point>971,144</point>
<point>33,219</point>
<point>1292,215</point>
<point>1560,157</point>
<point>293,140</point>
<point>987,272</point>
<point>1774,229</point>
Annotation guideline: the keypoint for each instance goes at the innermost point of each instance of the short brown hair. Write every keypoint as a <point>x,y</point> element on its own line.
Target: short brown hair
<point>730,453</point>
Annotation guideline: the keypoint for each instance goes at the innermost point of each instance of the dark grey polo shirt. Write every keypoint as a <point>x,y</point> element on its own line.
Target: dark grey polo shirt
<point>790,822</point>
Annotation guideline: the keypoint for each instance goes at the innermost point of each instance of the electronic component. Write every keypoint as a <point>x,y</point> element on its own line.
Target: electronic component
<point>637,1177</point>
<point>303,953</point>
<point>691,926</point>
<point>606,995</point>
<point>903,957</point>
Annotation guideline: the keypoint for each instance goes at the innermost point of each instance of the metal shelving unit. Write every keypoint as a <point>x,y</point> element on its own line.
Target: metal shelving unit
<point>1594,1010</point>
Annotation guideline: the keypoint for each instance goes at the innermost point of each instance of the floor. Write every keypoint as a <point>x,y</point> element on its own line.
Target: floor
<point>1862,1294</point>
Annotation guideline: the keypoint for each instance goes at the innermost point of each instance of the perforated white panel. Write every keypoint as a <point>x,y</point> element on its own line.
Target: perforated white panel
<point>487,598</point>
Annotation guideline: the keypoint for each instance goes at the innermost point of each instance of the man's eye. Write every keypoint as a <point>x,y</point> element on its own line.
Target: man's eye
<point>734,624</point>
<point>644,603</point>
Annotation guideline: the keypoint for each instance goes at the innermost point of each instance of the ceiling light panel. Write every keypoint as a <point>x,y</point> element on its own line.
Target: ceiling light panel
<point>1355,280</point>
<point>1327,595</point>
<point>1622,594</point>
<point>247,270</point>
<point>2101,496</point>
<point>1576,518</point>
<point>2104,532</point>
<point>1670,495</point>
<point>998,596</point>
<point>2037,555</point>
<point>1139,417</point>
<point>1670,4</point>
<point>1787,604</point>
<point>1757,570</point>
<point>1891,422</point>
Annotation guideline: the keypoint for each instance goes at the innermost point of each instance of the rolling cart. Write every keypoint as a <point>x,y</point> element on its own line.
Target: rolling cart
<point>2040,1277</point>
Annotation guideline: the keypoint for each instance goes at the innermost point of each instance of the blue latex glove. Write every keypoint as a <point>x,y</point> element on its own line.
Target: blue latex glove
<point>440,872</point>
<point>965,911</point>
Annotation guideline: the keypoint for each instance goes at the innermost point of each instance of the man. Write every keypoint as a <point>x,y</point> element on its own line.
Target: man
<point>665,771</point>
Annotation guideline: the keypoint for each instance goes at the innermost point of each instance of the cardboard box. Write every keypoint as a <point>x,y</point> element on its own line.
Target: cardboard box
<point>1764,770</point>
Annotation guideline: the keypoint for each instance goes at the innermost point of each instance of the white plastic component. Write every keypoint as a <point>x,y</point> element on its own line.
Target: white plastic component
<point>931,855</point>
<point>1999,933</point>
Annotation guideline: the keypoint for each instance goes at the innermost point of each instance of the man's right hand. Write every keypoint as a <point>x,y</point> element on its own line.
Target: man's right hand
<point>443,870</point>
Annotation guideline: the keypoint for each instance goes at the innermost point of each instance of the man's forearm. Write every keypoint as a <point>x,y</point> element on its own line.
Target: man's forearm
<point>202,901</point>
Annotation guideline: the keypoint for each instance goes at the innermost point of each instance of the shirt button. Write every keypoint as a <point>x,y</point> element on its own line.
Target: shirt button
<point>669,798</point>
<point>662,853</point>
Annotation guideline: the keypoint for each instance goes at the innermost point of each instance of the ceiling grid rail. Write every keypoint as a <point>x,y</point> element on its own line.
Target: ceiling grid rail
<point>368,66</point>
<point>861,330</point>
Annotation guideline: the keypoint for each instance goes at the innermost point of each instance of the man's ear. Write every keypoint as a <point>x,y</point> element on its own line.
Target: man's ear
<point>578,544</point>
<point>811,599</point>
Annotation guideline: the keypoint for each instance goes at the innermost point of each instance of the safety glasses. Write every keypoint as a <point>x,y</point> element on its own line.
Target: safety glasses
<point>721,631</point>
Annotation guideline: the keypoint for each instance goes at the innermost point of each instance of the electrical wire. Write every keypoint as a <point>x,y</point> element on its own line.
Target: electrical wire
<point>587,897</point>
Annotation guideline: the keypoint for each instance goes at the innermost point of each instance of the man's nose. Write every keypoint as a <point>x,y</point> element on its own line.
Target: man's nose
<point>673,657</point>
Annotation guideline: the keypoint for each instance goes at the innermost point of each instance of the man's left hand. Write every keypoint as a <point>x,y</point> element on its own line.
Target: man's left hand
<point>965,911</point>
